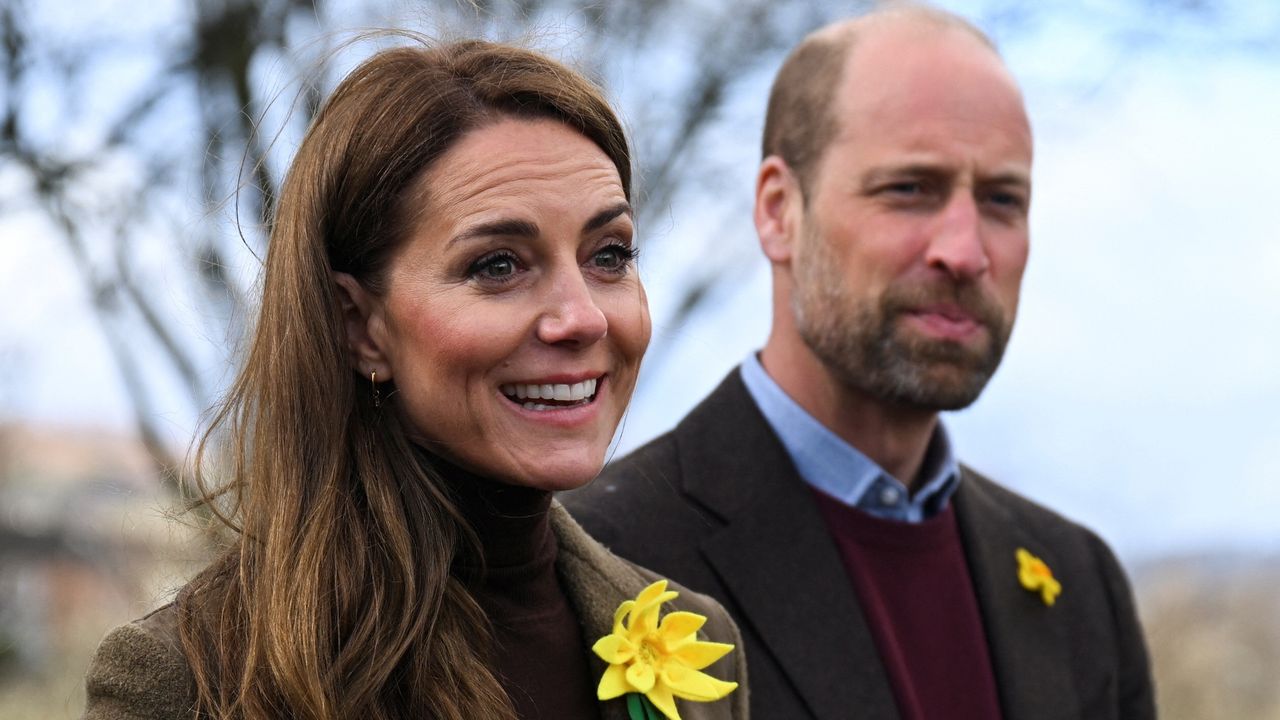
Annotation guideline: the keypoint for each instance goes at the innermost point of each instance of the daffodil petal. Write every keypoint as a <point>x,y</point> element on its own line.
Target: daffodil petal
<point>648,594</point>
<point>613,683</point>
<point>640,676</point>
<point>694,685</point>
<point>698,654</point>
<point>1049,593</point>
<point>662,699</point>
<point>621,614</point>
<point>614,649</point>
<point>678,625</point>
<point>644,617</point>
<point>644,604</point>
<point>658,657</point>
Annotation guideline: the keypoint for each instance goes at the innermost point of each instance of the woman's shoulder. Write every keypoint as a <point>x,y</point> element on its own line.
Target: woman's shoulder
<point>139,672</point>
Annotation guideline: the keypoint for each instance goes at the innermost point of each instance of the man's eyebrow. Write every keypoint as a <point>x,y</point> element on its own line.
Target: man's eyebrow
<point>604,217</point>
<point>497,228</point>
<point>884,173</point>
<point>1012,177</point>
<point>878,175</point>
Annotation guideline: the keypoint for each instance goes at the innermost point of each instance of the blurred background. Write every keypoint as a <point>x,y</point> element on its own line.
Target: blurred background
<point>140,148</point>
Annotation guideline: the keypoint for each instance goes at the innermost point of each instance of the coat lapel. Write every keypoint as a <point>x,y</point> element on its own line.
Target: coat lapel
<point>1029,648</point>
<point>777,559</point>
<point>596,582</point>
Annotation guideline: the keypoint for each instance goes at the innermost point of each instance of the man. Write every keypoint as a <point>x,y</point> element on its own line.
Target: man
<point>815,492</point>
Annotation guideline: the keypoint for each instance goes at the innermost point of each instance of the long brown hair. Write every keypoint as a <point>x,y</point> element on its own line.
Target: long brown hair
<point>336,597</point>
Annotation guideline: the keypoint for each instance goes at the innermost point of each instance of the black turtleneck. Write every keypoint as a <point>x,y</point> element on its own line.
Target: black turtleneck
<point>540,656</point>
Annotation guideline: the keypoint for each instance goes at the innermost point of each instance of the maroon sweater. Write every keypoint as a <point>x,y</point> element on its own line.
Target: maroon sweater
<point>913,583</point>
<point>540,655</point>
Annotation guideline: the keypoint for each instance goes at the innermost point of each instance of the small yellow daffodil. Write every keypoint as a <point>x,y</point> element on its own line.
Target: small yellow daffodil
<point>660,660</point>
<point>1035,576</point>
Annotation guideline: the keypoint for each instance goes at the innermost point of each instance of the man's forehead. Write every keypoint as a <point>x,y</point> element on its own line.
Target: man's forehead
<point>912,20</point>
<point>894,75</point>
<point>891,48</point>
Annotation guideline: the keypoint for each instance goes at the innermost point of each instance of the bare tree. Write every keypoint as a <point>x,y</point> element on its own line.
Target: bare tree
<point>114,181</point>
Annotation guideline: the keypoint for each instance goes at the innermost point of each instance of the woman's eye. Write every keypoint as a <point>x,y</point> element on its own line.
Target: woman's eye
<point>501,266</point>
<point>613,258</point>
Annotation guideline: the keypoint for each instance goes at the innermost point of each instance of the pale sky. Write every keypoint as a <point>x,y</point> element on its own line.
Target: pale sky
<point>1138,394</point>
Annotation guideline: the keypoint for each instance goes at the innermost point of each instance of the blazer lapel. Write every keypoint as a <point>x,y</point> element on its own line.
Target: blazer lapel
<point>777,559</point>
<point>596,583</point>
<point>1029,648</point>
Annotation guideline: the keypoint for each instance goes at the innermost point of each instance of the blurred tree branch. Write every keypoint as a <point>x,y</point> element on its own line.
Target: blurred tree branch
<point>113,175</point>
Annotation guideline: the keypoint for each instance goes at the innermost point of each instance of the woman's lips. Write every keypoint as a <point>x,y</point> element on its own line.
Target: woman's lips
<point>545,396</point>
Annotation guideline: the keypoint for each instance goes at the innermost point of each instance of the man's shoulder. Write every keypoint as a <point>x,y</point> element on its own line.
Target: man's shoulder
<point>654,475</point>
<point>978,490</point>
<point>982,501</point>
<point>633,496</point>
<point>651,469</point>
<point>1096,608</point>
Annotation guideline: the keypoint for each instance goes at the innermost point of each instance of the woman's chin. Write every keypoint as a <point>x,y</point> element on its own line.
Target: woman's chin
<point>561,481</point>
<point>567,474</point>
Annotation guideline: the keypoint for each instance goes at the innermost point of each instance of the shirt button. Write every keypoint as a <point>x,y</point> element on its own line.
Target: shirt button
<point>889,496</point>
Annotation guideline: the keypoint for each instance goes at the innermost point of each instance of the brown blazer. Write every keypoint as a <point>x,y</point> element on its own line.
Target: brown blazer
<point>717,505</point>
<point>139,672</point>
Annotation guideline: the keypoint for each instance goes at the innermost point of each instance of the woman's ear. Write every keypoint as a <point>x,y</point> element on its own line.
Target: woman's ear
<point>365,325</point>
<point>777,209</point>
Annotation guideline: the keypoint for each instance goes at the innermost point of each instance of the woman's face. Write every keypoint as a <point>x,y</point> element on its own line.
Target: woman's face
<point>513,323</point>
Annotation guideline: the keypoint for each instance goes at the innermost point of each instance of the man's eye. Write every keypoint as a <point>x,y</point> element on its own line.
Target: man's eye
<point>905,188</point>
<point>1005,199</point>
<point>613,258</point>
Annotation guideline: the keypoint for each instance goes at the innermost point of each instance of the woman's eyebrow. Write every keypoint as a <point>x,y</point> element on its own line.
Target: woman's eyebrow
<point>527,229</point>
<point>604,217</point>
<point>497,228</point>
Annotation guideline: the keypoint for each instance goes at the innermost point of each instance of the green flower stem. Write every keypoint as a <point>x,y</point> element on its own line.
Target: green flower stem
<point>639,708</point>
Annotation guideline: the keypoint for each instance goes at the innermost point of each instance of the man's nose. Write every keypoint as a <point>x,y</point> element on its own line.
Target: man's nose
<point>572,316</point>
<point>957,245</point>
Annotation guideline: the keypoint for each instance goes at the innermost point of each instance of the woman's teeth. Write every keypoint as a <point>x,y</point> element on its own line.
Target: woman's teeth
<point>579,393</point>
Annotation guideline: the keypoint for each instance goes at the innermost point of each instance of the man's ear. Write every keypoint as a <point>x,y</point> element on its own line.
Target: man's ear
<point>778,210</point>
<point>365,325</point>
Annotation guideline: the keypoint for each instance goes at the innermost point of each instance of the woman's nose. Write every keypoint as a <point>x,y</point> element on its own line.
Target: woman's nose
<point>572,315</point>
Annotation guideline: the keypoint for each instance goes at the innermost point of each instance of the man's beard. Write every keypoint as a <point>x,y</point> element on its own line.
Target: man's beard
<point>864,347</point>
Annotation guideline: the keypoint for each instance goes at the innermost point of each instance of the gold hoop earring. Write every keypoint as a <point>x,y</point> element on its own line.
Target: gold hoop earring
<point>377,396</point>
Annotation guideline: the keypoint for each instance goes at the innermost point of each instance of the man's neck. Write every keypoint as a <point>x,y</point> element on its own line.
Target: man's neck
<point>893,437</point>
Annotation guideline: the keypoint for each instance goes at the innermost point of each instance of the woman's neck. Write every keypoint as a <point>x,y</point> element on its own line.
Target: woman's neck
<point>511,522</point>
<point>540,656</point>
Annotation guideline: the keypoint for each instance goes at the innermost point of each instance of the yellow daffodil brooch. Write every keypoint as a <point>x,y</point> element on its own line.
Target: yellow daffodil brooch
<point>1035,576</point>
<point>657,662</point>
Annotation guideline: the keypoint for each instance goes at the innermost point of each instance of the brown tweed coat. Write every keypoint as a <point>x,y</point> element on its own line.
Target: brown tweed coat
<point>139,672</point>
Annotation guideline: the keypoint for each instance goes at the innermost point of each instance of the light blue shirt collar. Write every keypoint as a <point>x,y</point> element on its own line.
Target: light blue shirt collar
<point>838,469</point>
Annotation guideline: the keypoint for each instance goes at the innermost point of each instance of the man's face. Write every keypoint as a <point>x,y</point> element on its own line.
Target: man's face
<point>913,239</point>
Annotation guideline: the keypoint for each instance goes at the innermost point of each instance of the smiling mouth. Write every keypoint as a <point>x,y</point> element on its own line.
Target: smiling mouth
<point>546,396</point>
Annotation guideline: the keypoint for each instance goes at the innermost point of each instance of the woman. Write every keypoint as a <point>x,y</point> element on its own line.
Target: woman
<point>451,328</point>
